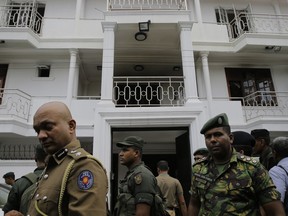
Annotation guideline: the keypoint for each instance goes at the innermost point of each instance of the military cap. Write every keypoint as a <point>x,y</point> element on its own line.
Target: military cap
<point>131,141</point>
<point>243,138</point>
<point>220,120</point>
<point>201,151</point>
<point>9,174</point>
<point>260,133</point>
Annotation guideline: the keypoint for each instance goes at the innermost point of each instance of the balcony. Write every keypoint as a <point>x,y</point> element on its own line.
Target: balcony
<point>19,16</point>
<point>149,91</point>
<point>147,5</point>
<point>14,104</point>
<point>265,103</point>
<point>257,23</point>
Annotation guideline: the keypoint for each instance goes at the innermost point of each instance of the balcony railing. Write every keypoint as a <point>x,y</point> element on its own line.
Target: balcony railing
<point>20,17</point>
<point>14,103</point>
<point>149,91</point>
<point>266,103</point>
<point>257,23</point>
<point>147,5</point>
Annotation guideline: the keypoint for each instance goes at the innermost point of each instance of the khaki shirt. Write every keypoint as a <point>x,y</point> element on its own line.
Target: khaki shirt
<point>86,187</point>
<point>171,189</point>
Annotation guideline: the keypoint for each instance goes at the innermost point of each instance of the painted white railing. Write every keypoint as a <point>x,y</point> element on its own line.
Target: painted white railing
<point>14,104</point>
<point>20,17</point>
<point>146,5</point>
<point>149,91</point>
<point>258,23</point>
<point>266,103</point>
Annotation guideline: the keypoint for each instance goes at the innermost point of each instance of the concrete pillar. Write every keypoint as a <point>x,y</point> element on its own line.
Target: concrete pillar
<point>72,86</point>
<point>108,63</point>
<point>188,62</point>
<point>205,68</point>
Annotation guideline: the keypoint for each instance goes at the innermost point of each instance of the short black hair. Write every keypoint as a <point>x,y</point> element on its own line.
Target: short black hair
<point>163,165</point>
<point>280,146</point>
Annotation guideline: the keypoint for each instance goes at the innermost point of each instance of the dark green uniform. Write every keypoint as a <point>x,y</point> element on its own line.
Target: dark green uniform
<point>138,186</point>
<point>18,188</point>
<point>84,192</point>
<point>267,158</point>
<point>238,189</point>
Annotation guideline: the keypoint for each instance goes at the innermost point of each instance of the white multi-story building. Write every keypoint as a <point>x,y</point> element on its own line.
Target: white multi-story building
<point>158,69</point>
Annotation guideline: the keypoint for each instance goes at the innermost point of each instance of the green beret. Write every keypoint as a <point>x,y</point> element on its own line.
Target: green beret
<point>217,121</point>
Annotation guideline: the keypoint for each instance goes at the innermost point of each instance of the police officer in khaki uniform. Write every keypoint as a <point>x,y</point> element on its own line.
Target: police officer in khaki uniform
<point>73,183</point>
<point>227,182</point>
<point>137,190</point>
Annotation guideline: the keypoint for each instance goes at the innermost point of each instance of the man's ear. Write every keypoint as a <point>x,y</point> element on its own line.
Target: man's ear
<point>72,124</point>
<point>231,138</point>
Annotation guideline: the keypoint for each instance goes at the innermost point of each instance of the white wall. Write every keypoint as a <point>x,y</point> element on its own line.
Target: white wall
<point>23,76</point>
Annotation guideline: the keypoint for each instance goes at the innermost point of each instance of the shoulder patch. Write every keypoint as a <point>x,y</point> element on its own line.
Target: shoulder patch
<point>85,180</point>
<point>138,179</point>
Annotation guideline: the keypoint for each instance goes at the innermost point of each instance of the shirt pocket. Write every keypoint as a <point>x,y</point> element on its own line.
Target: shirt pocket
<point>47,199</point>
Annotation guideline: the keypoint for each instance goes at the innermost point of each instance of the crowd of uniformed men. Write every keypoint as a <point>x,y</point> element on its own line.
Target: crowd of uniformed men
<point>229,177</point>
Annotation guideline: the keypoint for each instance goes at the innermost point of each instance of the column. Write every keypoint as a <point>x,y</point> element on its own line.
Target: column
<point>205,68</point>
<point>73,71</point>
<point>108,63</point>
<point>80,4</point>
<point>198,11</point>
<point>188,62</point>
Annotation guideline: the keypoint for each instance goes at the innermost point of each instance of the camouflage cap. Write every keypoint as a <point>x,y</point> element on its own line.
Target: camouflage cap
<point>131,141</point>
<point>217,121</point>
<point>201,151</point>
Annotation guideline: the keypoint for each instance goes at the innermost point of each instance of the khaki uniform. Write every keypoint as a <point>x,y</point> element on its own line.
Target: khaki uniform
<point>239,189</point>
<point>138,186</point>
<point>171,189</point>
<point>86,186</point>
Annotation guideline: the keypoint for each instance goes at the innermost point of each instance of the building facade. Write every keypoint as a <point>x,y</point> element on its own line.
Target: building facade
<point>156,69</point>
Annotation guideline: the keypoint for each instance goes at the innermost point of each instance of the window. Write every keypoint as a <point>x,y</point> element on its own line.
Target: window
<point>43,70</point>
<point>254,85</point>
<point>237,21</point>
<point>3,72</point>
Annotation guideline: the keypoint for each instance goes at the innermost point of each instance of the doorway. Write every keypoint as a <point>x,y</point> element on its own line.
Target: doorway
<point>170,144</point>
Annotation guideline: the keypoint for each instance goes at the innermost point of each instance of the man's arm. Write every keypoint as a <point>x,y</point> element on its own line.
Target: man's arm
<point>182,205</point>
<point>194,207</point>
<point>142,209</point>
<point>274,208</point>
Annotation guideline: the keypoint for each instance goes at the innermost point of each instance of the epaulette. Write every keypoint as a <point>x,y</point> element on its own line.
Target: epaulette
<point>77,154</point>
<point>247,159</point>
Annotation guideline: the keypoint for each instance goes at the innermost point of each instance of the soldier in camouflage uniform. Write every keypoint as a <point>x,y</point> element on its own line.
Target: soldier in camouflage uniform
<point>137,189</point>
<point>228,183</point>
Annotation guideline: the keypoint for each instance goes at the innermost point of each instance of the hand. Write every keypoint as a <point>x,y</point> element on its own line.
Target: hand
<point>13,213</point>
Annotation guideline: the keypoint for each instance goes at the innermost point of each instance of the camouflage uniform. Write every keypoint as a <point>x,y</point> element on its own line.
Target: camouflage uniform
<point>238,190</point>
<point>138,186</point>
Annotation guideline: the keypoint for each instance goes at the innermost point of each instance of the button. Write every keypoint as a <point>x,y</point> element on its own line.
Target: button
<point>44,198</point>
<point>37,195</point>
<point>45,176</point>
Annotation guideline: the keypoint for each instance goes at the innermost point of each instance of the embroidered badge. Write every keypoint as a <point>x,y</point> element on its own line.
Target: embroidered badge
<point>138,179</point>
<point>85,180</point>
